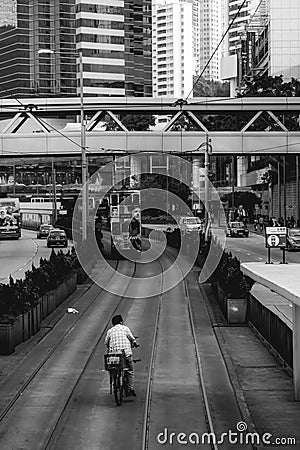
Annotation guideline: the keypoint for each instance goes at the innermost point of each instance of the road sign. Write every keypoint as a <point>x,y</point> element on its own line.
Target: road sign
<point>276,237</point>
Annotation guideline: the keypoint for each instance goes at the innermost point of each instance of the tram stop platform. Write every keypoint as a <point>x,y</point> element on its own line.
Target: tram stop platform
<point>283,279</point>
<point>263,386</point>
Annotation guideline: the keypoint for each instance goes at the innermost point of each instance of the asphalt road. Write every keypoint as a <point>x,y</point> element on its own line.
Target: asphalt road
<point>253,249</point>
<point>17,256</point>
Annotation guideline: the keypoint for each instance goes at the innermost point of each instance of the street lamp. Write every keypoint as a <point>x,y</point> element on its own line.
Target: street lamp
<point>53,191</point>
<point>84,214</point>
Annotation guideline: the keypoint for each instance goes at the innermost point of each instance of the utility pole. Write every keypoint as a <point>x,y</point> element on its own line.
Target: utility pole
<point>54,200</point>
<point>284,187</point>
<point>279,187</point>
<point>206,172</point>
<point>83,155</point>
<point>297,192</point>
<point>232,183</point>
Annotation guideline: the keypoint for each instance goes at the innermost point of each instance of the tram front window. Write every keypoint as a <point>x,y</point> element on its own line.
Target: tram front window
<point>115,228</point>
<point>114,200</point>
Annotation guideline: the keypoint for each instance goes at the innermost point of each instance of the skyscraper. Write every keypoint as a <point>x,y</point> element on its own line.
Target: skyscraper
<point>115,39</point>
<point>113,35</point>
<point>209,36</point>
<point>27,26</point>
<point>172,38</point>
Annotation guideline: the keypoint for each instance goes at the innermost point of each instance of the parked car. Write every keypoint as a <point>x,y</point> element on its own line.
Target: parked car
<point>57,238</point>
<point>190,224</point>
<point>235,229</point>
<point>43,230</point>
<point>293,239</point>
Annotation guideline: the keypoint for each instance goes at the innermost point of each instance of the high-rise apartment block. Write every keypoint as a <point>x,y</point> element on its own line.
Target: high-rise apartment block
<point>185,34</point>
<point>172,50</point>
<point>209,36</point>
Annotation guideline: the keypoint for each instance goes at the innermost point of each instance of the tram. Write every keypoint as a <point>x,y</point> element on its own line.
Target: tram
<point>125,219</point>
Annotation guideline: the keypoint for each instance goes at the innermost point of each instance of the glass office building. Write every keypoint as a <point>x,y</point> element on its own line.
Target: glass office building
<point>115,39</point>
<point>113,35</point>
<point>27,26</point>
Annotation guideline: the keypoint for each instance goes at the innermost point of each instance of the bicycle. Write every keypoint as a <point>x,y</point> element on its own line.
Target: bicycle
<point>115,364</point>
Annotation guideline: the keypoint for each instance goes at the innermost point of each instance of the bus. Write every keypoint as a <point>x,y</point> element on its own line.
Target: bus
<point>125,219</point>
<point>10,223</point>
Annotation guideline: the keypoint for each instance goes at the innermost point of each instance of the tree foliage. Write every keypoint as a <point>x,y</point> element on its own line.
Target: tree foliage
<point>133,122</point>
<point>164,182</point>
<point>138,122</point>
<point>247,199</point>
<point>268,86</point>
<point>210,88</point>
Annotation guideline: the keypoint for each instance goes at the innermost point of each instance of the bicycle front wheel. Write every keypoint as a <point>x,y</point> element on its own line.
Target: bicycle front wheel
<point>118,389</point>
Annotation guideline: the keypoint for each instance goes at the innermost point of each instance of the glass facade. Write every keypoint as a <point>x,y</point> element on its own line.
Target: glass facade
<point>115,40</point>
<point>138,44</point>
<point>27,26</point>
<point>284,42</point>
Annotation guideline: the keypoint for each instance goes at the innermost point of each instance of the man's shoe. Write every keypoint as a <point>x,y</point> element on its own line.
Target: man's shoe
<point>131,393</point>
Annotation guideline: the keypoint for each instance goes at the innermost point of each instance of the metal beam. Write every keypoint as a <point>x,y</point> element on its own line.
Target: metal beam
<point>162,105</point>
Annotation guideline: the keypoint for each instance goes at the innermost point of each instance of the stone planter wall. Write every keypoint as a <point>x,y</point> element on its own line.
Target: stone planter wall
<point>29,323</point>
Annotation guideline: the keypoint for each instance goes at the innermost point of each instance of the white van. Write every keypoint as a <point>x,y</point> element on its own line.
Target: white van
<point>189,224</point>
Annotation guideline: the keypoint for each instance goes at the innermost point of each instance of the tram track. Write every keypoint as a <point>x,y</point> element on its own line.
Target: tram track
<point>209,402</point>
<point>146,419</point>
<point>51,442</point>
<point>202,387</point>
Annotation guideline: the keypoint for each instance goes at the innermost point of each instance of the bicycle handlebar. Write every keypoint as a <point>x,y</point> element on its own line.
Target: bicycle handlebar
<point>136,360</point>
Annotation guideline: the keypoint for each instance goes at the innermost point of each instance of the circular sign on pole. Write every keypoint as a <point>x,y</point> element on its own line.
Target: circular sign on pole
<point>273,240</point>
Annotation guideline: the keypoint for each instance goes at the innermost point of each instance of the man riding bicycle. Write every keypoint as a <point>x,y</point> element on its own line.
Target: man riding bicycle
<point>120,338</point>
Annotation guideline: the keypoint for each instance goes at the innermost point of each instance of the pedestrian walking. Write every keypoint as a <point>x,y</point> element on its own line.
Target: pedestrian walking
<point>261,223</point>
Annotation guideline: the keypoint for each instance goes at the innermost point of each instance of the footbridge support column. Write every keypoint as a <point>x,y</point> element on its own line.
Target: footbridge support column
<point>135,170</point>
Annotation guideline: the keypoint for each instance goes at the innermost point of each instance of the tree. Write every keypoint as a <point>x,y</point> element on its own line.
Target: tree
<point>247,199</point>
<point>133,122</point>
<point>160,181</point>
<point>138,122</point>
<point>210,88</point>
<point>267,86</point>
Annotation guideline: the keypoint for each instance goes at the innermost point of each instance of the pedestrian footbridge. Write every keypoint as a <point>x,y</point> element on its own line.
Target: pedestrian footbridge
<point>239,126</point>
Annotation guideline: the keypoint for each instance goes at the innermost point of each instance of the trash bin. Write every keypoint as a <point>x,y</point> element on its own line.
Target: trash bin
<point>236,310</point>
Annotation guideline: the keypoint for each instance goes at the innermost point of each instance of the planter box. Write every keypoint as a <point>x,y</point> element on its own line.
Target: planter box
<point>234,309</point>
<point>7,345</point>
<point>29,323</point>
<point>237,310</point>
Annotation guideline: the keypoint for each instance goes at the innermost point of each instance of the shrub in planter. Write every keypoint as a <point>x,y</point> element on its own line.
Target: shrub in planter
<point>235,286</point>
<point>22,295</point>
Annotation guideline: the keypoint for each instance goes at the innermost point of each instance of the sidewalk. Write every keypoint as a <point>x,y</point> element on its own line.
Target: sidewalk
<point>263,387</point>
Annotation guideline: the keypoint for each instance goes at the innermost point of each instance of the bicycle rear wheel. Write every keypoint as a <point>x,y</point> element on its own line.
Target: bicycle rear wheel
<point>118,389</point>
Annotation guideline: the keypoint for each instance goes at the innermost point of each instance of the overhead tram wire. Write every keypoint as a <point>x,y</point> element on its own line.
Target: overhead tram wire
<point>217,47</point>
